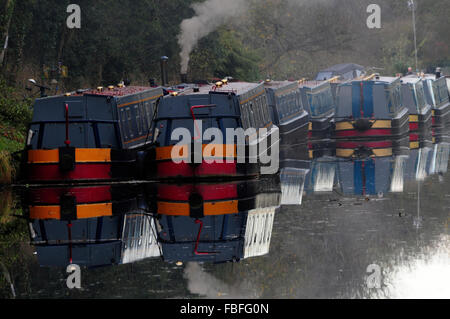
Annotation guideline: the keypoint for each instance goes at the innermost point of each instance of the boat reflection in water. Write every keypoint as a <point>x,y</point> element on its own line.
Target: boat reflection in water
<point>90,226</point>
<point>372,167</point>
<point>428,155</point>
<point>117,224</point>
<point>322,175</point>
<point>218,222</point>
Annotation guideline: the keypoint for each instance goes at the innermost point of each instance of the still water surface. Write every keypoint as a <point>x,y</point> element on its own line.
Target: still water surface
<point>391,213</point>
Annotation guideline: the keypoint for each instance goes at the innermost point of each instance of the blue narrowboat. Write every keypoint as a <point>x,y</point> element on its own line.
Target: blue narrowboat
<point>371,108</point>
<point>90,135</point>
<point>437,95</point>
<point>318,101</point>
<point>286,109</point>
<point>222,107</point>
<point>413,97</point>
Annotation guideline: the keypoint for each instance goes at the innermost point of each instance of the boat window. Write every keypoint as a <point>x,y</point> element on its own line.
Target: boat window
<point>251,116</point>
<point>143,116</point>
<point>420,96</point>
<point>254,114</point>
<point>243,117</point>
<point>147,107</point>
<point>442,91</point>
<point>394,98</point>
<point>123,119</point>
<point>130,123</point>
<point>265,109</point>
<point>137,112</point>
<point>260,112</point>
<point>320,102</point>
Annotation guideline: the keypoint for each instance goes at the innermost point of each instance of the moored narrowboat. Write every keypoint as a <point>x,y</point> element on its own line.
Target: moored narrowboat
<point>436,94</point>
<point>286,109</point>
<point>221,130</point>
<point>371,108</point>
<point>413,97</point>
<point>90,135</point>
<point>318,101</point>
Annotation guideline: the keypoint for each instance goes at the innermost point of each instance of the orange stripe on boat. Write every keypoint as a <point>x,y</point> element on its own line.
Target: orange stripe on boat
<point>208,151</point>
<point>45,212</point>
<point>43,156</point>
<point>165,152</point>
<point>82,155</point>
<point>92,155</point>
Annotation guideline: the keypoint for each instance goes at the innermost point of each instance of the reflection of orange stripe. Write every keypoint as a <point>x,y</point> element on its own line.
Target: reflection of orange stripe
<point>94,210</point>
<point>83,211</point>
<point>221,208</point>
<point>181,151</point>
<point>209,208</point>
<point>414,118</point>
<point>82,155</point>
<point>173,209</point>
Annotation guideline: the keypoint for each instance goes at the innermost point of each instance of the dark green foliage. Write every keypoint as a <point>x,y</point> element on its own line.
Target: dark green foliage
<point>13,110</point>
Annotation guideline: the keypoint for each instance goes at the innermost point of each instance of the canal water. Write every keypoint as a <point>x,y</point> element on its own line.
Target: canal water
<point>371,228</point>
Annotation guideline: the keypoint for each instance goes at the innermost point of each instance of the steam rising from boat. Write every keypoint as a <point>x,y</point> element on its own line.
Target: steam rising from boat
<point>209,15</point>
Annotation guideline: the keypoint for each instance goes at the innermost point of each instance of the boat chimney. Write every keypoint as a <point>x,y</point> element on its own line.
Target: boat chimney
<point>164,76</point>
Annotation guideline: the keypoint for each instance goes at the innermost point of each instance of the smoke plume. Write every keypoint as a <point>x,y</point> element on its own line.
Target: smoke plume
<point>209,15</point>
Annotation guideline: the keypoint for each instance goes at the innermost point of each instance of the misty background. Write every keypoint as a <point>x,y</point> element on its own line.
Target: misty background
<point>246,39</point>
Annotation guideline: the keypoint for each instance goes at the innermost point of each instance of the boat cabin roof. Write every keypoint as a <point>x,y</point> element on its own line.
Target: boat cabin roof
<point>238,88</point>
<point>280,87</point>
<point>116,91</point>
<point>311,83</point>
<point>411,79</point>
<point>384,79</point>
